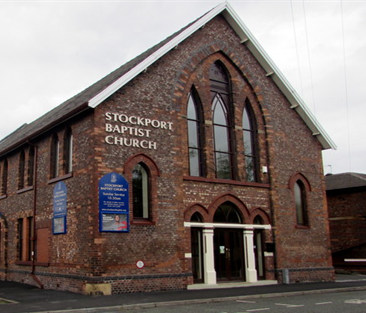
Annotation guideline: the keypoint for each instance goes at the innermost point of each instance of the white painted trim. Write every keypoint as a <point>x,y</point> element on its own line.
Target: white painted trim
<point>96,100</point>
<point>225,225</point>
<point>251,43</point>
<point>249,256</point>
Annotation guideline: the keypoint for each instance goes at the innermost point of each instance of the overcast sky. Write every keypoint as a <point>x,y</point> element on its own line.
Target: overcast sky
<point>51,50</point>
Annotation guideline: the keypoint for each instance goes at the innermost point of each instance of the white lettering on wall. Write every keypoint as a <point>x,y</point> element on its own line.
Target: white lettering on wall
<point>139,121</point>
<point>121,127</point>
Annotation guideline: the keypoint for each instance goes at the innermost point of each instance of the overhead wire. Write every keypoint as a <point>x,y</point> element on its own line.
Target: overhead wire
<point>346,86</point>
<point>309,58</point>
<point>297,48</point>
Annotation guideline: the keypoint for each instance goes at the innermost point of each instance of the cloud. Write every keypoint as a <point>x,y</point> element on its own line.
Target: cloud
<point>51,50</point>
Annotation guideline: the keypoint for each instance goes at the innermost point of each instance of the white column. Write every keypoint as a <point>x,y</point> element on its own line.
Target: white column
<point>250,271</point>
<point>208,257</point>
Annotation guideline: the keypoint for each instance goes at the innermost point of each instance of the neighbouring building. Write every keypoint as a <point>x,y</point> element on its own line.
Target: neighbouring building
<point>194,163</point>
<point>346,194</point>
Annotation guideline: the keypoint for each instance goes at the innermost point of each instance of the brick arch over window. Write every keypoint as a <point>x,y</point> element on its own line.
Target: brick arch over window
<point>153,173</point>
<point>259,212</point>
<point>298,176</point>
<point>141,158</point>
<point>300,188</point>
<point>228,198</point>
<point>223,51</point>
<point>196,208</point>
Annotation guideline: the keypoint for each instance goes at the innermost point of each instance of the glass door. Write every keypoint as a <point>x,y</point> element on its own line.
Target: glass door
<point>229,254</point>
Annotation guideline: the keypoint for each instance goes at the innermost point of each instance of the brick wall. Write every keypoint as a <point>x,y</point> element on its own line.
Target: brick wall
<point>85,255</point>
<point>347,211</point>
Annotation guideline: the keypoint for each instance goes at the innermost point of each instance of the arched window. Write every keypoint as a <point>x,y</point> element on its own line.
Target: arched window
<point>30,166</point>
<point>21,170</point>
<point>227,213</point>
<point>68,150</point>
<point>258,220</point>
<point>222,122</point>
<point>4,178</point>
<point>196,217</point>
<point>249,138</point>
<point>140,191</point>
<point>259,248</point>
<point>194,126</point>
<point>55,156</point>
<point>300,202</point>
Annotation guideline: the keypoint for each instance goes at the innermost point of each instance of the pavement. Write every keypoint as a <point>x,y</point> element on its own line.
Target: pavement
<point>21,298</point>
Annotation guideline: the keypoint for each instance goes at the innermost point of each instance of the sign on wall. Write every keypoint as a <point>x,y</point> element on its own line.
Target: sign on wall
<point>59,225</point>
<point>113,203</point>
<point>59,208</point>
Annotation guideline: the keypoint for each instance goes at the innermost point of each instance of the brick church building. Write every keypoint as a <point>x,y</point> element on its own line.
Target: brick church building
<point>194,163</point>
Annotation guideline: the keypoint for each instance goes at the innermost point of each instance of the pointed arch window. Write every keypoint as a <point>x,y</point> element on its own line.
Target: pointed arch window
<point>21,170</point>
<point>30,166</point>
<point>68,150</point>
<point>194,126</point>
<point>140,191</point>
<point>227,213</point>
<point>300,202</point>
<point>4,178</point>
<point>55,157</point>
<point>196,218</point>
<point>222,121</point>
<point>249,138</point>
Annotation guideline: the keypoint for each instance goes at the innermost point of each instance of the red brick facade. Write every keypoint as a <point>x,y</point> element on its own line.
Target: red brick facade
<point>84,256</point>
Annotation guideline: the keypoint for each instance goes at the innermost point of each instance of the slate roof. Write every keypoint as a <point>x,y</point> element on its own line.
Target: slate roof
<point>74,105</point>
<point>98,92</point>
<point>344,181</point>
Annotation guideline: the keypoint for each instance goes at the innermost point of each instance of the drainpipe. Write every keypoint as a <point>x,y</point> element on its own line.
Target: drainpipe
<point>34,237</point>
<point>2,217</point>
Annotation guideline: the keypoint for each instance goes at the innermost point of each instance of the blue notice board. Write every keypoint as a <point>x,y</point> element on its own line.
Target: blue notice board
<point>59,208</point>
<point>113,203</point>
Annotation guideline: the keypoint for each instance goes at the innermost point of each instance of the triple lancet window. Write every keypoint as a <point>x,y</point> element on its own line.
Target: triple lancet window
<point>194,120</point>
<point>224,154</point>
<point>221,117</point>
<point>249,143</point>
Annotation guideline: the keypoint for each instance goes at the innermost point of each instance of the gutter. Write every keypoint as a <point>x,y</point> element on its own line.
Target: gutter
<point>44,129</point>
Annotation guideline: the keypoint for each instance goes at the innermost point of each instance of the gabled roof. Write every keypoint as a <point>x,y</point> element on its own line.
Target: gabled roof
<point>101,90</point>
<point>344,181</point>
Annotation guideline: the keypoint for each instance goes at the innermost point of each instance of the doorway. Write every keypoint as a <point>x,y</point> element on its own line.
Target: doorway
<point>197,260</point>
<point>259,253</point>
<point>229,254</point>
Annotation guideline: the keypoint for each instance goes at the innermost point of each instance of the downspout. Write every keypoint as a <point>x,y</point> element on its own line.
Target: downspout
<point>2,217</point>
<point>34,237</point>
<point>271,201</point>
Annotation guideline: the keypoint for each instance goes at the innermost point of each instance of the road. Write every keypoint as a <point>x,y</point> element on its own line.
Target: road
<point>342,302</point>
